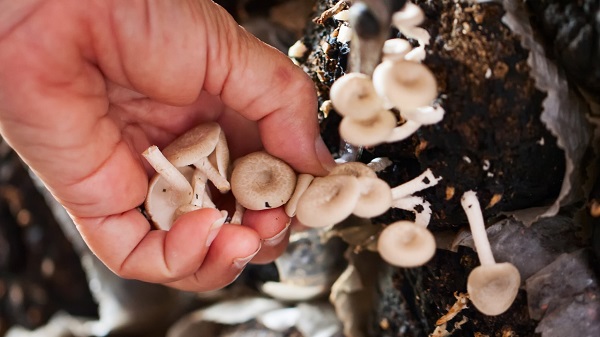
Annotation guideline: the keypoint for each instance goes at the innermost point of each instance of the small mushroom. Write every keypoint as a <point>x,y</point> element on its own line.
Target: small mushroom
<point>368,132</point>
<point>328,200</point>
<point>375,197</point>
<point>395,49</point>
<point>353,95</point>
<point>302,183</point>
<point>421,182</point>
<point>407,85</point>
<point>260,181</point>
<point>353,168</point>
<point>405,244</point>
<point>417,205</point>
<point>163,201</point>
<point>492,286</point>
<point>425,115</point>
<point>194,148</point>
<point>410,15</point>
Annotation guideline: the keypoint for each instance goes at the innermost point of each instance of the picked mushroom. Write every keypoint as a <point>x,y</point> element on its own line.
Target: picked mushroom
<point>260,181</point>
<point>164,203</point>
<point>195,147</point>
<point>406,244</point>
<point>492,286</point>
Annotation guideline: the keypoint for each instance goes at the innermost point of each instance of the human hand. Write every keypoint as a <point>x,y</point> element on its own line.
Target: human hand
<point>87,86</point>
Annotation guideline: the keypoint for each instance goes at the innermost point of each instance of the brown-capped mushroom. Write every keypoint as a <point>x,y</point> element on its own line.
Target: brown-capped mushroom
<point>405,244</point>
<point>353,168</point>
<point>194,148</point>
<point>328,200</point>
<point>424,180</point>
<point>260,181</point>
<point>406,84</point>
<point>492,286</point>
<point>353,95</point>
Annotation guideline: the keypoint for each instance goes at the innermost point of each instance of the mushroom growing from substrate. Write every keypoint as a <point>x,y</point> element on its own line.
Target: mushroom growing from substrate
<point>406,244</point>
<point>492,286</point>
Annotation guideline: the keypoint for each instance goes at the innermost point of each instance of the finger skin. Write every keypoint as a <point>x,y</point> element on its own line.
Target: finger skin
<point>224,261</point>
<point>272,227</point>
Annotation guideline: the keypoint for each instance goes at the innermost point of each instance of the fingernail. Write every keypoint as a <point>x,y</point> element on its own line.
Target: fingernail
<point>215,228</point>
<point>277,238</point>
<point>241,262</point>
<point>323,154</point>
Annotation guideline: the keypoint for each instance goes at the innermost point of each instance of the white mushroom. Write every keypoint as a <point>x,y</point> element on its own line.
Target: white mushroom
<point>194,148</point>
<point>353,168</point>
<point>405,84</point>
<point>163,201</point>
<point>406,244</point>
<point>368,132</point>
<point>375,197</point>
<point>302,183</point>
<point>328,200</point>
<point>260,181</point>
<point>417,205</point>
<point>395,49</point>
<point>419,183</point>
<point>410,15</point>
<point>353,96</point>
<point>492,286</point>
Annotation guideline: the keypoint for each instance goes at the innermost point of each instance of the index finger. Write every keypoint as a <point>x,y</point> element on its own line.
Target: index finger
<point>263,85</point>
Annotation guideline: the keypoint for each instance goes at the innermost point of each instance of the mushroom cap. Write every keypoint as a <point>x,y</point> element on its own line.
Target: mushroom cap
<point>405,84</point>
<point>328,200</point>
<point>260,181</point>
<point>395,49</point>
<point>493,287</point>
<point>353,95</point>
<point>375,198</point>
<point>410,15</point>
<point>162,201</point>
<point>405,244</point>
<point>368,133</point>
<point>353,168</point>
<point>196,143</point>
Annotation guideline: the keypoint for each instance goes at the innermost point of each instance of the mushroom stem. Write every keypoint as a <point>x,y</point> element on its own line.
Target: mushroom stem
<point>236,218</point>
<point>199,185</point>
<point>403,131</point>
<point>470,204</point>
<point>212,174</point>
<point>411,204</point>
<point>423,181</point>
<point>167,170</point>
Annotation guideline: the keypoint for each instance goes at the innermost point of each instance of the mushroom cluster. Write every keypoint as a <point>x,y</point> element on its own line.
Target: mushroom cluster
<point>399,82</point>
<point>186,166</point>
